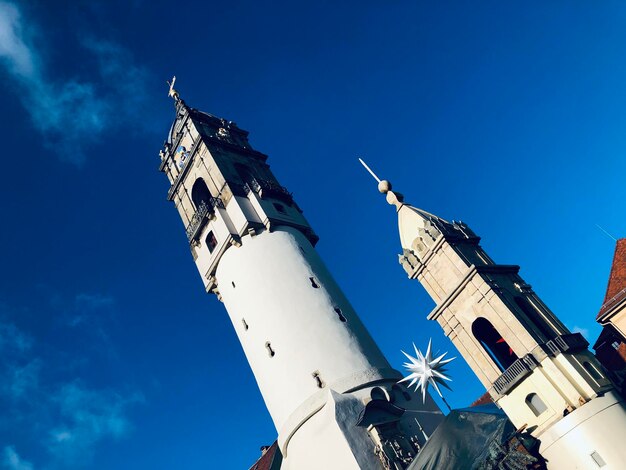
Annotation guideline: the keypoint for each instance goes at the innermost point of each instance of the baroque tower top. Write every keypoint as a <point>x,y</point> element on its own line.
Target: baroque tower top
<point>330,391</point>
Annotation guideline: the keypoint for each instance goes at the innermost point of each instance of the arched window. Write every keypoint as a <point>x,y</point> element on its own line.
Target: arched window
<point>493,342</point>
<point>200,193</point>
<point>535,318</point>
<point>536,404</point>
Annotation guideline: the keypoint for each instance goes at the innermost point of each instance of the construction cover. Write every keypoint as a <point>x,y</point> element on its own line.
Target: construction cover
<point>477,438</point>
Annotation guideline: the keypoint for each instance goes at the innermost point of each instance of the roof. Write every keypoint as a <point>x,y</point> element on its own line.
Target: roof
<point>270,459</point>
<point>616,289</point>
<point>482,400</point>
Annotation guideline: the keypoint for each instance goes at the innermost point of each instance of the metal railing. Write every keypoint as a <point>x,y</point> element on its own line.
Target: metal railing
<point>515,374</point>
<point>267,188</point>
<point>199,219</point>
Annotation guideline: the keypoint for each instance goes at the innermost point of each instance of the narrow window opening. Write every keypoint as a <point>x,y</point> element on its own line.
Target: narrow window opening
<point>302,250</point>
<point>270,351</point>
<point>592,370</point>
<point>536,404</point>
<point>233,283</point>
<point>340,315</point>
<point>314,284</point>
<point>245,324</point>
<point>597,459</point>
<point>211,241</point>
<point>318,379</point>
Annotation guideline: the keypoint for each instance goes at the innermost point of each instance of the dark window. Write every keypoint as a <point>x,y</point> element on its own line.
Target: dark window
<point>211,241</point>
<point>314,284</point>
<point>493,342</point>
<point>280,208</point>
<point>245,325</point>
<point>340,315</point>
<point>200,193</point>
<point>318,379</point>
<point>536,404</point>
<point>270,351</point>
<point>244,172</point>
<point>233,283</point>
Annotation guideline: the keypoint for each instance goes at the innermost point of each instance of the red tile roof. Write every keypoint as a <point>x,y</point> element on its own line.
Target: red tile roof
<point>483,400</point>
<point>616,290</point>
<point>271,458</point>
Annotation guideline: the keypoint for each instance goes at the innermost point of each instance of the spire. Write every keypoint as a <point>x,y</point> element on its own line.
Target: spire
<point>412,221</point>
<point>384,187</point>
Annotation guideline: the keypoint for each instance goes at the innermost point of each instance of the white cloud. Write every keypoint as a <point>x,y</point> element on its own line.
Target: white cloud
<point>12,340</point>
<point>20,380</point>
<point>71,114</point>
<point>87,417</point>
<point>13,50</point>
<point>582,331</point>
<point>69,419</point>
<point>12,461</point>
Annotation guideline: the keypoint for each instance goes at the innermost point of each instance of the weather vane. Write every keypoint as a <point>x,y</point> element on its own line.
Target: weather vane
<point>173,93</point>
<point>424,371</point>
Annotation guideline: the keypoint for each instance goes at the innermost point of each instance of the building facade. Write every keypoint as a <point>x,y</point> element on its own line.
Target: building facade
<point>541,375</point>
<point>331,393</point>
<point>611,344</point>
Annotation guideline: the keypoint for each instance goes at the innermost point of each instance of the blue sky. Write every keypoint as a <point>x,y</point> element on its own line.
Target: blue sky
<point>510,117</point>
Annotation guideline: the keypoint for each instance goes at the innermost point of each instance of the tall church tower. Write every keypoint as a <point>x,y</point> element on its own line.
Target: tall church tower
<point>330,391</point>
<point>534,368</point>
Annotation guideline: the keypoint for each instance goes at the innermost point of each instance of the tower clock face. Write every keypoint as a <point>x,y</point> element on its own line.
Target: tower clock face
<point>181,156</point>
<point>221,132</point>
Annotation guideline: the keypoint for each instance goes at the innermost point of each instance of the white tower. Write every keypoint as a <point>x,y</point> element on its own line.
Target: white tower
<point>328,388</point>
<point>534,368</point>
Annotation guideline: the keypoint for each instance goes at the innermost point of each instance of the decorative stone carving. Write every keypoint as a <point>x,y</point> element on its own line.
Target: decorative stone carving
<point>409,261</point>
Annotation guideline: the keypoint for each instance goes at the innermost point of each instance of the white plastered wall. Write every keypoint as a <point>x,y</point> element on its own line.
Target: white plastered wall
<point>266,282</point>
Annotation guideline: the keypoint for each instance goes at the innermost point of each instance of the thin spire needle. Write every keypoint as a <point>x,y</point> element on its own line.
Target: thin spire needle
<point>369,170</point>
<point>611,236</point>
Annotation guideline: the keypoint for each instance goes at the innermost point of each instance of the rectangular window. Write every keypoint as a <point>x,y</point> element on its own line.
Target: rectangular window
<point>211,241</point>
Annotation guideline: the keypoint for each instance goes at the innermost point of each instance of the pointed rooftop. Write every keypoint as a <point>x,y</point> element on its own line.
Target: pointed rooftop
<point>616,289</point>
<point>413,221</point>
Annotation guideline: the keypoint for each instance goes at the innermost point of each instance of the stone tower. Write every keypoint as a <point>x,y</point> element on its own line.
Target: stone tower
<point>534,368</point>
<point>331,393</point>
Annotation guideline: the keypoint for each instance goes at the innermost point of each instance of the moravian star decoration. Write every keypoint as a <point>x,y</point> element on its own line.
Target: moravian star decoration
<point>424,370</point>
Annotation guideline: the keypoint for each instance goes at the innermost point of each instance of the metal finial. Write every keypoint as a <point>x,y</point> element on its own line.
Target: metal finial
<point>384,186</point>
<point>369,170</point>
